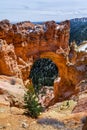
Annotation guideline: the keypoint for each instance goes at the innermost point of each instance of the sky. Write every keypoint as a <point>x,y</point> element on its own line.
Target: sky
<point>42,10</point>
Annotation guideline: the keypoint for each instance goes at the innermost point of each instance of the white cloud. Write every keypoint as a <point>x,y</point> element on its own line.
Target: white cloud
<point>42,10</point>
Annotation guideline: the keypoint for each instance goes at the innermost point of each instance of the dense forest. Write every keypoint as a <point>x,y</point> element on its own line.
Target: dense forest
<point>78,30</point>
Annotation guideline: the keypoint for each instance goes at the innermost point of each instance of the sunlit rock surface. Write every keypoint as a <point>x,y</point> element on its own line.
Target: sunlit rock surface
<point>22,43</point>
<point>11,91</point>
<point>29,41</point>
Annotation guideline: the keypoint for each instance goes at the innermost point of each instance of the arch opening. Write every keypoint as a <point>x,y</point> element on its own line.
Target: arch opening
<point>43,73</point>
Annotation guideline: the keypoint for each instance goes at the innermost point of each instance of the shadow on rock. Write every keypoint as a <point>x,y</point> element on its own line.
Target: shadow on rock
<point>50,121</point>
<point>84,121</point>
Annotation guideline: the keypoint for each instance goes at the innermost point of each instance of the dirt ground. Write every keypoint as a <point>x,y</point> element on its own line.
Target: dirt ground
<point>58,117</point>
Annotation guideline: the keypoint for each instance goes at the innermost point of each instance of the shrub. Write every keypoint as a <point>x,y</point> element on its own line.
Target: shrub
<point>32,106</point>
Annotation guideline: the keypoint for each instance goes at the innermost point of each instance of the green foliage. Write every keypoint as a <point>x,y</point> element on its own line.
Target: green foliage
<point>43,72</point>
<point>33,108</point>
<point>78,30</point>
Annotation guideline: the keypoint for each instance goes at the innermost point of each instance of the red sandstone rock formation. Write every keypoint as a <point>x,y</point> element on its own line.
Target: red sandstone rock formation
<point>70,74</point>
<point>30,41</point>
<point>26,42</point>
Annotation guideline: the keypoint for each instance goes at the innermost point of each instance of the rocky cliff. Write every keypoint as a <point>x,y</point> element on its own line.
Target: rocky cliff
<point>22,43</point>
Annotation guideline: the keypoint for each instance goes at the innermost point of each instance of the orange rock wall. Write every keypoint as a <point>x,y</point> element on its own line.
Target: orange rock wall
<point>70,74</point>
<point>30,41</point>
<point>24,42</point>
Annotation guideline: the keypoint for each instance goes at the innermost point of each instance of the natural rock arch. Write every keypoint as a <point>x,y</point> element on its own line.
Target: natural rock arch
<point>65,87</point>
<point>64,84</point>
<point>28,42</point>
<point>25,42</point>
<point>69,76</point>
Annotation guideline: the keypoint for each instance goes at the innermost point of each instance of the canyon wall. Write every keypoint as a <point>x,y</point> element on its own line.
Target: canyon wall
<point>26,42</point>
<point>22,43</point>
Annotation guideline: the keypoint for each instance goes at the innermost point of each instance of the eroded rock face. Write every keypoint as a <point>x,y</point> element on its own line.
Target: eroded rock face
<point>8,60</point>
<point>24,42</point>
<point>72,71</point>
